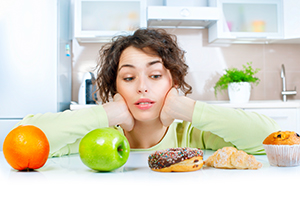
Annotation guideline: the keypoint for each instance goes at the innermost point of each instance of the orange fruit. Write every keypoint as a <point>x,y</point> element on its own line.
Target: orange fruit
<point>26,147</point>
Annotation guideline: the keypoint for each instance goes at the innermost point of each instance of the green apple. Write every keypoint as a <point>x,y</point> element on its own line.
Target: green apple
<point>104,149</point>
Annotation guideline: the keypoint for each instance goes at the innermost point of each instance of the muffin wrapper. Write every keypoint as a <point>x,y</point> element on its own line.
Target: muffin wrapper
<point>283,155</point>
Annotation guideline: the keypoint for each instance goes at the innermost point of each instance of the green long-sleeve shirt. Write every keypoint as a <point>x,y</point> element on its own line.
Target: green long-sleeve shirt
<point>212,127</point>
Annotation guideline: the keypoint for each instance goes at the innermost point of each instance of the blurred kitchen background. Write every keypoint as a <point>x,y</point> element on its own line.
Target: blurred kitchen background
<point>207,61</point>
<point>48,48</point>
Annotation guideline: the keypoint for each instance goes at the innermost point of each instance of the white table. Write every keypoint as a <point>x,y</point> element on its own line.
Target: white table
<point>67,176</point>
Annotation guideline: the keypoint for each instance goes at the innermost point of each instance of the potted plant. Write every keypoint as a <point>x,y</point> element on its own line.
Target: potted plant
<point>238,83</point>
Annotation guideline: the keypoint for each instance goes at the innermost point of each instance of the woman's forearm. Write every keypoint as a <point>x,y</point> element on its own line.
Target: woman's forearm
<point>66,127</point>
<point>245,130</point>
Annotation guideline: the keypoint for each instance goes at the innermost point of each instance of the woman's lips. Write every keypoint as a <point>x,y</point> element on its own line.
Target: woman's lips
<point>144,103</point>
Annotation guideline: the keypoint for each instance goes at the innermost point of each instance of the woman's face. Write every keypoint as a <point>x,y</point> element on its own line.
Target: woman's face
<point>143,82</point>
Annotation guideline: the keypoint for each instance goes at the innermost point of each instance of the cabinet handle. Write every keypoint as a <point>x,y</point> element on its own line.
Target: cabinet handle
<point>252,37</point>
<point>179,27</point>
<point>185,12</point>
<point>281,117</point>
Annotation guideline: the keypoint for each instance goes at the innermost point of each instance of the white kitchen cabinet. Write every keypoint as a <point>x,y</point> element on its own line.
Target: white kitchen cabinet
<point>181,17</point>
<point>287,118</point>
<point>291,18</point>
<point>100,20</point>
<point>247,21</point>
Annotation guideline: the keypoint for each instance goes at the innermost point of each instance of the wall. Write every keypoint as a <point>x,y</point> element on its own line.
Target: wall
<point>207,62</point>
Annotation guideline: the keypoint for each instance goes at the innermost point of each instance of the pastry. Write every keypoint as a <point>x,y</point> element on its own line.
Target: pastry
<point>231,158</point>
<point>283,138</point>
<point>283,148</point>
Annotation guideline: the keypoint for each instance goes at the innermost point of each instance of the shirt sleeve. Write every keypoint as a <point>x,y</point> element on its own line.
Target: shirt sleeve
<point>245,130</point>
<point>64,130</point>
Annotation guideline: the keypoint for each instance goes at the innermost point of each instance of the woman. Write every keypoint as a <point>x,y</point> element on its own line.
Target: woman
<point>143,73</point>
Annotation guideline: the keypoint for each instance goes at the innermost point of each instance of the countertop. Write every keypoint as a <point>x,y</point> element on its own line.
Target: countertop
<point>67,176</point>
<point>250,104</point>
<point>260,104</point>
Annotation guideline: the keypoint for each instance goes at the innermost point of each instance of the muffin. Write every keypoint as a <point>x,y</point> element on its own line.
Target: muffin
<point>283,148</point>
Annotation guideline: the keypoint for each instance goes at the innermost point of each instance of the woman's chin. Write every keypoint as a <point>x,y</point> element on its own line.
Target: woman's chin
<point>146,118</point>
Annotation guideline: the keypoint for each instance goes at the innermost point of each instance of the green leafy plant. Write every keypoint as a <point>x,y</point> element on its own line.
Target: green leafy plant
<point>235,75</point>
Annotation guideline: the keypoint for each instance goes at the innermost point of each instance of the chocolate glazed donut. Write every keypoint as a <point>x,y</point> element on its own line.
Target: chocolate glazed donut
<point>176,160</point>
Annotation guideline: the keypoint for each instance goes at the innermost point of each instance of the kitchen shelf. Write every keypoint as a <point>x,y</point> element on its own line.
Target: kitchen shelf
<point>259,104</point>
<point>100,20</point>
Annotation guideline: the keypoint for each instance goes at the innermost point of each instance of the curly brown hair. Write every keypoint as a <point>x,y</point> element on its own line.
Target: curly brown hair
<point>158,40</point>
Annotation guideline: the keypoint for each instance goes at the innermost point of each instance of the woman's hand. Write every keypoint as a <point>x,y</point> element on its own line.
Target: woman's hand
<point>166,114</point>
<point>176,107</point>
<point>118,113</point>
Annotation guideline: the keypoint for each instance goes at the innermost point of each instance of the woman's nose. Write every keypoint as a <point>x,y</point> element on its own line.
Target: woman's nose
<point>142,91</point>
<point>142,87</point>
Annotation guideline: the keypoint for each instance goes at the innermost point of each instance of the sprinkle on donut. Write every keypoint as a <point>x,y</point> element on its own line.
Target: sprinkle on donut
<point>165,158</point>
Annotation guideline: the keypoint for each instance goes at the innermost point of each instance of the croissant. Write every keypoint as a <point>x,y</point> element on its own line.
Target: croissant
<point>231,158</point>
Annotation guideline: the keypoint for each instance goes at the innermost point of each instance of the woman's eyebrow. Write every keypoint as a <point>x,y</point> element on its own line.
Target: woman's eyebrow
<point>148,65</point>
<point>126,65</point>
<point>154,62</point>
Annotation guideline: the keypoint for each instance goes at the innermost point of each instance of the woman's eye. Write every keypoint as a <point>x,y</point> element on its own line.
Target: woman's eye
<point>155,76</point>
<point>128,79</point>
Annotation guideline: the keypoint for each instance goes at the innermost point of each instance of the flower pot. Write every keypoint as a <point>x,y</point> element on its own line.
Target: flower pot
<point>239,92</point>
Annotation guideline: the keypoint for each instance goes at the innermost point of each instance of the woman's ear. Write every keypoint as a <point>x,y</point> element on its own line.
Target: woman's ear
<point>175,86</point>
<point>175,83</point>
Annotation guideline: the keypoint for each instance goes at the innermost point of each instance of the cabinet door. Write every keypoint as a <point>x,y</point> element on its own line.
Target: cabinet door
<point>244,21</point>
<point>286,117</point>
<point>99,20</point>
<point>291,20</point>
